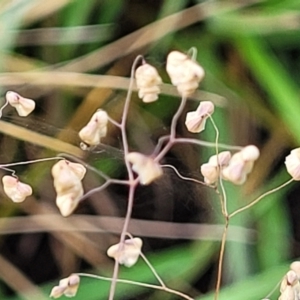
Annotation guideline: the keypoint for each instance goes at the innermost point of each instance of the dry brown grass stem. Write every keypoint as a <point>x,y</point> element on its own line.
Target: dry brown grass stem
<point>42,9</point>
<point>39,139</point>
<point>59,79</point>
<point>15,279</point>
<point>98,224</point>
<point>150,34</point>
<point>80,244</point>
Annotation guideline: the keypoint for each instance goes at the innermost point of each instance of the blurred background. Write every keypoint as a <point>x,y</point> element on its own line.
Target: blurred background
<point>74,57</point>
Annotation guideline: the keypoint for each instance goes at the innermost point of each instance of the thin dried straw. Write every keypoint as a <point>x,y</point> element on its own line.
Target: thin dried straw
<point>96,224</point>
<point>30,136</point>
<point>52,78</point>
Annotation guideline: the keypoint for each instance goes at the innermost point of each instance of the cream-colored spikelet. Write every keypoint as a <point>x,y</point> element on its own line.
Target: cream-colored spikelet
<point>184,73</point>
<point>67,287</point>
<point>95,129</point>
<point>147,81</point>
<point>195,120</point>
<point>211,169</point>
<point>128,253</point>
<point>23,106</point>
<point>292,163</point>
<point>240,165</point>
<point>16,190</point>
<point>67,178</point>
<point>147,169</point>
<point>290,287</point>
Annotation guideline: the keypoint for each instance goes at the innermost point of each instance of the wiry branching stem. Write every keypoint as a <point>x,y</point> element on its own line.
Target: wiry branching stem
<point>132,183</point>
<point>183,177</point>
<point>147,285</point>
<point>172,135</point>
<point>260,198</point>
<point>223,200</point>
<point>2,108</point>
<point>122,238</point>
<point>28,162</point>
<point>221,259</point>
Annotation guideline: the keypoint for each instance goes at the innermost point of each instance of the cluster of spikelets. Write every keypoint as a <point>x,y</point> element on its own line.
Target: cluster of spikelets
<point>186,75</point>
<point>290,285</point>
<point>233,168</point>
<point>67,178</point>
<point>16,190</point>
<point>125,254</point>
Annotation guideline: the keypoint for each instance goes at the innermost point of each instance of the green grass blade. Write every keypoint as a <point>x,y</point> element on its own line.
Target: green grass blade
<point>274,79</point>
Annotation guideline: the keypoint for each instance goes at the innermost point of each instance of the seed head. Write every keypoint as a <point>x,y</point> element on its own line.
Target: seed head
<point>96,128</point>
<point>23,106</point>
<point>184,73</point>
<point>147,81</point>
<point>16,190</point>
<point>147,169</point>
<point>292,163</point>
<point>240,165</point>
<point>67,286</point>
<point>128,253</point>
<point>67,183</point>
<point>195,120</point>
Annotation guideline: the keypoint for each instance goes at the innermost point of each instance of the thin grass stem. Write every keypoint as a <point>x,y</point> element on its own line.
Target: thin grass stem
<point>221,259</point>
<point>260,198</point>
<point>172,136</point>
<point>133,183</point>
<point>183,177</point>
<point>2,108</point>
<point>2,166</point>
<point>147,285</point>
